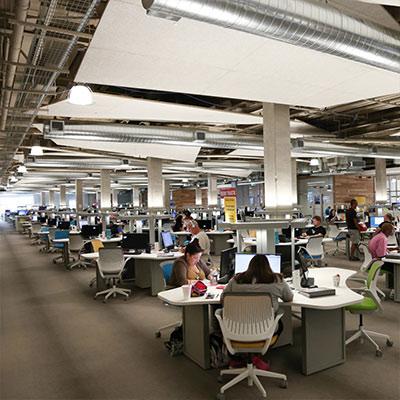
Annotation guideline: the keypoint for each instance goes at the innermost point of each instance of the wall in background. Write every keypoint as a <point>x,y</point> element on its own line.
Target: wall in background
<point>347,187</point>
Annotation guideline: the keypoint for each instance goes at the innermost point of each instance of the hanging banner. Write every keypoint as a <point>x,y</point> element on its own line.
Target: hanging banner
<point>230,209</point>
<point>227,192</point>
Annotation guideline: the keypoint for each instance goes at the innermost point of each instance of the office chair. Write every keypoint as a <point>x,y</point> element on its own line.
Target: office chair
<point>313,252</point>
<point>59,234</point>
<point>96,246</point>
<point>111,263</point>
<point>35,229</point>
<point>166,268</point>
<point>76,245</point>
<point>370,304</point>
<point>337,235</point>
<point>248,324</point>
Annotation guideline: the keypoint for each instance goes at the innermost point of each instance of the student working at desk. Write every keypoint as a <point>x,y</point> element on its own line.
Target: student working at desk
<point>378,247</point>
<point>190,267</point>
<point>317,229</point>
<point>203,239</point>
<point>259,278</point>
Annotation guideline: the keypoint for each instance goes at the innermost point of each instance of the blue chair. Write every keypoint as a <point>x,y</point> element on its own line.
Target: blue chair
<point>166,269</point>
<point>59,234</point>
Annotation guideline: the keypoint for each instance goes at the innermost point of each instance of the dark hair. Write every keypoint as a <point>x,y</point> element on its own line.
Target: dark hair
<point>353,201</point>
<point>259,271</point>
<point>187,213</point>
<point>387,227</point>
<point>178,223</point>
<point>389,217</point>
<point>317,217</point>
<point>193,248</point>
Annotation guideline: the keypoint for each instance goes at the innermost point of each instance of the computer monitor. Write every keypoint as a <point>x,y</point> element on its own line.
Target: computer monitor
<point>242,261</point>
<point>135,241</point>
<point>167,240</point>
<point>227,261</point>
<point>64,225</point>
<point>205,224</point>
<point>42,220</point>
<point>375,221</point>
<point>22,212</point>
<point>89,231</point>
<point>34,218</point>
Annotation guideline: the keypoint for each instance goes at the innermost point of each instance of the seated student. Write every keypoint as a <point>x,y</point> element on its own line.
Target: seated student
<point>178,226</point>
<point>378,247</point>
<point>203,239</point>
<point>187,219</point>
<point>190,267</point>
<point>317,230</point>
<point>259,278</point>
<point>386,218</point>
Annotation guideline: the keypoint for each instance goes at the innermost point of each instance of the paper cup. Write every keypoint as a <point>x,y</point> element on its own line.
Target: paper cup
<point>157,246</point>
<point>187,291</point>
<point>336,280</point>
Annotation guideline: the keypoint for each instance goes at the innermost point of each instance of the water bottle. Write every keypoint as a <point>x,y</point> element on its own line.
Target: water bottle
<point>276,237</point>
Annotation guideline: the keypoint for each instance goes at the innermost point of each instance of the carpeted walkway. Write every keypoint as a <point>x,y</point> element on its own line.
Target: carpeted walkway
<point>58,343</point>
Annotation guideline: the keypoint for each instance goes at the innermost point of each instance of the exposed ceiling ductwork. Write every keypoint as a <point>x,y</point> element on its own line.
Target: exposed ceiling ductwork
<point>329,30</point>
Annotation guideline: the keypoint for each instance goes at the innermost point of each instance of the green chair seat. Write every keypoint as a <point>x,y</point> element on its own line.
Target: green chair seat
<point>367,304</point>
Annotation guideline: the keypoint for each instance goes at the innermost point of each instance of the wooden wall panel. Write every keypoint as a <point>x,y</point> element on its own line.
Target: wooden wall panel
<point>346,187</point>
<point>184,198</point>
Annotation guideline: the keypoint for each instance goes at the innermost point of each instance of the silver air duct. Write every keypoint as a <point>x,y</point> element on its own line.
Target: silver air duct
<point>303,23</point>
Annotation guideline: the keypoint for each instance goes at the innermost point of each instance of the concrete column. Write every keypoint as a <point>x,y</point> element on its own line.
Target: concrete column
<point>212,191</point>
<point>51,198</point>
<point>155,186</point>
<point>199,199</point>
<point>63,196</point>
<point>43,198</point>
<point>135,197</point>
<point>380,180</point>
<point>79,194</point>
<point>166,194</point>
<point>115,197</point>
<point>105,184</point>
<point>294,182</point>
<point>277,160</point>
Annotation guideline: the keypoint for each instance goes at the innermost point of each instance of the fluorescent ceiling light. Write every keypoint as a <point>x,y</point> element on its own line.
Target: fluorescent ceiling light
<point>314,162</point>
<point>395,134</point>
<point>80,95</point>
<point>36,151</point>
<point>22,169</point>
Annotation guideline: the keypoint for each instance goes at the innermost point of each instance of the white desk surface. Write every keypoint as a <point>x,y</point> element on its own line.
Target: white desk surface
<point>323,278</point>
<point>65,240</point>
<point>391,260</point>
<point>181,233</point>
<point>143,256</point>
<point>219,232</point>
<point>111,240</point>
<point>300,242</point>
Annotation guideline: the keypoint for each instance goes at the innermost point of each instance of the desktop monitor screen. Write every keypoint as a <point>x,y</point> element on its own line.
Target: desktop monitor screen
<point>205,224</point>
<point>242,261</point>
<point>89,231</point>
<point>64,225</point>
<point>376,221</point>
<point>34,218</point>
<point>227,261</point>
<point>135,241</point>
<point>22,212</point>
<point>167,240</point>
<point>52,222</point>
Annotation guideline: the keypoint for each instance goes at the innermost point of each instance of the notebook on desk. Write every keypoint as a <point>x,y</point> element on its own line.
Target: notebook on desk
<point>317,292</point>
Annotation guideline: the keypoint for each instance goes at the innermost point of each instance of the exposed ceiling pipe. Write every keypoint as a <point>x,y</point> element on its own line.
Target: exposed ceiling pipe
<point>21,13</point>
<point>319,27</point>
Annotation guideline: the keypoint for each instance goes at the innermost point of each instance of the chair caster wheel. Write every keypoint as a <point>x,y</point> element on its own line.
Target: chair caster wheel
<point>157,335</point>
<point>220,396</point>
<point>284,385</point>
<point>104,301</point>
<point>379,353</point>
<point>54,262</point>
<point>389,343</point>
<point>220,379</point>
<point>126,299</point>
<point>94,298</point>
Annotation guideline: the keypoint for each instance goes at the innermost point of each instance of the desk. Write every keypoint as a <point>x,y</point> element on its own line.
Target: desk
<point>147,270</point>
<point>218,241</point>
<point>112,242</point>
<point>65,250</point>
<point>396,272</point>
<point>323,323</point>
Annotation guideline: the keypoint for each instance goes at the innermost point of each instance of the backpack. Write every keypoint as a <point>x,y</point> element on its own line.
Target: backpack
<point>218,352</point>
<point>175,343</point>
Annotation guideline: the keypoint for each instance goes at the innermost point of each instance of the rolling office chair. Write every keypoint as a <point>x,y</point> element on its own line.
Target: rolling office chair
<point>111,263</point>
<point>248,324</point>
<point>96,246</point>
<point>35,229</point>
<point>76,245</point>
<point>337,235</point>
<point>166,268</point>
<point>370,304</point>
<point>59,234</point>
<point>313,253</point>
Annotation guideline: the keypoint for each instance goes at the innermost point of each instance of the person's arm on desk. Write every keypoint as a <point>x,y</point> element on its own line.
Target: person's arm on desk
<point>287,294</point>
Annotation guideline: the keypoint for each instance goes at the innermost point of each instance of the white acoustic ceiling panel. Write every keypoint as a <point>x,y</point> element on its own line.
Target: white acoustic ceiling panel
<point>108,106</point>
<point>132,49</point>
<point>139,150</point>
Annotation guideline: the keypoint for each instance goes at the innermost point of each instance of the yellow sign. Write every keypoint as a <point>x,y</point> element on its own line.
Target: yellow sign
<point>361,200</point>
<point>230,209</point>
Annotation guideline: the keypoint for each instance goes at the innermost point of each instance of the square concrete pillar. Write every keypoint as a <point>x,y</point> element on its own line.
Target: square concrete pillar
<point>105,185</point>
<point>63,196</point>
<point>52,198</point>
<point>155,197</point>
<point>212,191</point>
<point>277,157</point>
<point>135,197</point>
<point>199,200</point>
<point>380,180</point>
<point>79,194</point>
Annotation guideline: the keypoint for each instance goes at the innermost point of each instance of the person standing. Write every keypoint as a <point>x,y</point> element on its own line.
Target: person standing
<point>353,228</point>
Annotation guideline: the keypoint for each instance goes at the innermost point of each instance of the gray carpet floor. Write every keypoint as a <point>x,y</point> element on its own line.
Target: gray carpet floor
<point>58,343</point>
